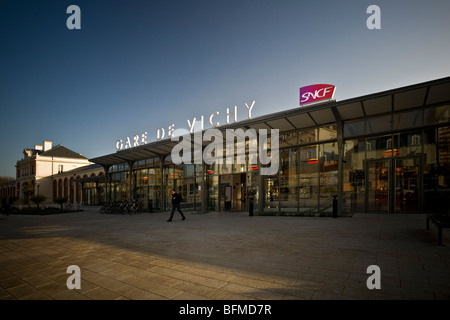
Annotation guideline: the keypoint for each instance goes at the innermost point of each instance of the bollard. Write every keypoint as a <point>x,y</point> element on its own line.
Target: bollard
<point>335,207</point>
<point>150,205</point>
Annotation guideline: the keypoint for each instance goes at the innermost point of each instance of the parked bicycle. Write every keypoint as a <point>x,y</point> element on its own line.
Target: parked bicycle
<point>68,206</point>
<point>135,207</point>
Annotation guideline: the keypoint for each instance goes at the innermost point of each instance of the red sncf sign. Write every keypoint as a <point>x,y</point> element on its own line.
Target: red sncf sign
<point>316,92</point>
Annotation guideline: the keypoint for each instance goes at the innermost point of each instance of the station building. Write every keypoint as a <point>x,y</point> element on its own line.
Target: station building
<point>53,172</point>
<point>387,152</point>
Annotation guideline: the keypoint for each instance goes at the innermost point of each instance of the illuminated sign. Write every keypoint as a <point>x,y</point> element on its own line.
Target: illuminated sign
<point>141,139</point>
<point>316,92</point>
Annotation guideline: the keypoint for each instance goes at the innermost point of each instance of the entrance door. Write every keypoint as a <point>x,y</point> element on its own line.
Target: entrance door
<point>378,185</point>
<point>393,185</point>
<point>232,192</point>
<point>407,174</point>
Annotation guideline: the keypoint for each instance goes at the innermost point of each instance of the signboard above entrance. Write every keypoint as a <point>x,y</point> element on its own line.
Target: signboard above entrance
<point>316,92</point>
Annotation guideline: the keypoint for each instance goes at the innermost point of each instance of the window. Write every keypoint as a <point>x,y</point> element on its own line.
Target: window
<point>60,168</point>
<point>355,128</point>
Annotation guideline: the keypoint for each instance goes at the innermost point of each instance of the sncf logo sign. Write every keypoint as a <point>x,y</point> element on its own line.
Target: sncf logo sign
<point>316,92</point>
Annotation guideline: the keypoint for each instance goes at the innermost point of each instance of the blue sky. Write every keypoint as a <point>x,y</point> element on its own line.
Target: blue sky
<point>137,66</point>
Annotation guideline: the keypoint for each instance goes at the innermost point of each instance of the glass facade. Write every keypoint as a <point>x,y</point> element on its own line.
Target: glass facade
<point>405,171</point>
<point>391,162</point>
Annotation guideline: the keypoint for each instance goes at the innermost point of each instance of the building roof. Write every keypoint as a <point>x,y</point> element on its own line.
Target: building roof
<point>62,152</point>
<point>31,152</point>
<point>424,94</point>
<point>80,170</point>
<point>94,166</point>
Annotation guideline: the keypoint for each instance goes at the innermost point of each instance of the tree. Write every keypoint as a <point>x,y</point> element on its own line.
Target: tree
<point>61,201</point>
<point>38,199</point>
<point>28,190</point>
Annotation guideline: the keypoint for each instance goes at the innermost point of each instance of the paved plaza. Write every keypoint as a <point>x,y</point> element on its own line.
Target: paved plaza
<point>221,256</point>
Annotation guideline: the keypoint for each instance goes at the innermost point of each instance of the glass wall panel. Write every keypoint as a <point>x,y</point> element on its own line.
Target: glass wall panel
<point>197,187</point>
<point>212,196</point>
<point>380,147</point>
<point>354,175</point>
<point>309,180</point>
<point>407,184</point>
<point>168,186</point>
<point>378,186</point>
<point>328,166</point>
<point>151,188</point>
<point>289,180</point>
<point>379,124</point>
<point>253,188</point>
<point>436,173</point>
<point>93,193</point>
<point>287,140</point>
<point>355,128</point>
<point>307,136</point>
<point>438,115</point>
<point>140,181</point>
<point>407,144</point>
<point>119,184</point>
<point>271,193</point>
<point>326,133</point>
<point>408,120</point>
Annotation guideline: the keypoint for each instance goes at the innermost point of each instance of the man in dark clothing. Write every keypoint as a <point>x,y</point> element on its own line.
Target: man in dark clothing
<point>176,199</point>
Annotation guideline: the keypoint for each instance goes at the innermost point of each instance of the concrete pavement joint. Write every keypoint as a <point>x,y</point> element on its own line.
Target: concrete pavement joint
<point>221,256</point>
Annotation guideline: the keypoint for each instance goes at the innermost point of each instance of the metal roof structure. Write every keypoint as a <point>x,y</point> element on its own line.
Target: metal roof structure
<point>405,98</point>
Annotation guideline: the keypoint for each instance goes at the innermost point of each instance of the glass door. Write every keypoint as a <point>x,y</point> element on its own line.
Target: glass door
<point>393,185</point>
<point>378,186</point>
<point>407,184</point>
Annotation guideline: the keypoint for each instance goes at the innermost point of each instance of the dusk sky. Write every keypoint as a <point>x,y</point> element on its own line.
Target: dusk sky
<point>138,66</point>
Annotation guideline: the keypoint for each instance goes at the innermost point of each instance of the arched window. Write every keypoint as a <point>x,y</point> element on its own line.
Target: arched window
<point>55,189</point>
<point>78,191</point>
<point>72,190</point>
<point>60,194</point>
<point>66,187</point>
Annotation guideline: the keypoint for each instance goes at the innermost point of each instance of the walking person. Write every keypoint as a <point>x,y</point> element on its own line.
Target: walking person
<point>176,200</point>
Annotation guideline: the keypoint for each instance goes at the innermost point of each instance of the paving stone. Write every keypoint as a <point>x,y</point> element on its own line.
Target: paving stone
<point>221,256</point>
<point>99,293</point>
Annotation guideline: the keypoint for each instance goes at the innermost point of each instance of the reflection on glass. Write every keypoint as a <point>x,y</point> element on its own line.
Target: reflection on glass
<point>378,185</point>
<point>309,180</point>
<point>408,120</point>
<point>328,167</point>
<point>288,180</point>
<point>379,124</point>
<point>407,184</point>
<point>355,128</point>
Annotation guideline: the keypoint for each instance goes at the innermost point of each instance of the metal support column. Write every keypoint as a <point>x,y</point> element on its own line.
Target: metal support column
<point>163,185</point>
<point>130,180</point>
<point>204,188</point>
<point>340,142</point>
<point>106,167</point>
<point>260,189</point>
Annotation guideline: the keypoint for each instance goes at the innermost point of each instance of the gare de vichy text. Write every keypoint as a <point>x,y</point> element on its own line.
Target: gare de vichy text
<point>141,139</point>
